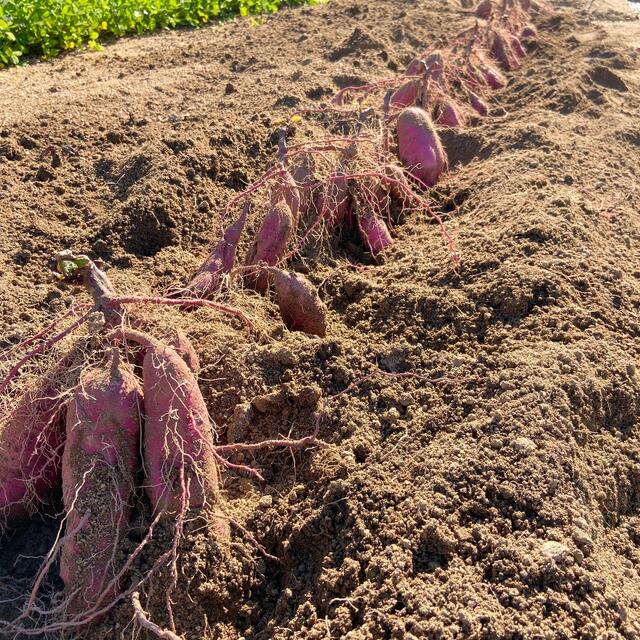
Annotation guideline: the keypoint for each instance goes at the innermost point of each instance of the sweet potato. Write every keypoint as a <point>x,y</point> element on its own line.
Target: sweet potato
<point>220,261</point>
<point>407,94</point>
<point>300,305</point>
<point>286,190</point>
<point>30,441</point>
<point>397,186</point>
<point>415,68</point>
<point>98,475</point>
<point>178,456</point>
<point>334,201</point>
<point>478,104</point>
<point>516,47</point>
<point>185,350</point>
<point>492,77</point>
<point>419,147</point>
<point>448,114</point>
<point>270,242</point>
<point>528,31</point>
<point>502,51</point>
<point>374,232</point>
<point>484,9</point>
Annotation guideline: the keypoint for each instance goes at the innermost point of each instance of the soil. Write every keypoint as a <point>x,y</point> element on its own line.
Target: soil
<point>487,483</point>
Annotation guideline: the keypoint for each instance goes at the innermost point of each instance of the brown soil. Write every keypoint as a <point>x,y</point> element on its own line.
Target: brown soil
<point>495,496</point>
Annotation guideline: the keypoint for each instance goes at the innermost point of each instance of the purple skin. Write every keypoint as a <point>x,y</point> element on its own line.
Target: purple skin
<point>30,443</point>
<point>220,261</point>
<point>529,31</point>
<point>270,243</point>
<point>517,47</point>
<point>176,440</point>
<point>286,189</point>
<point>419,147</point>
<point>98,478</point>
<point>374,232</point>
<point>478,104</point>
<point>484,9</point>
<point>300,306</point>
<point>492,77</point>
<point>405,96</point>
<point>501,50</point>
<point>415,68</point>
<point>449,115</point>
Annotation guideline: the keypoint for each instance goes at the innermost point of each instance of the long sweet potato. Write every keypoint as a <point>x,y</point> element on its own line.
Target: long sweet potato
<point>98,473</point>
<point>271,242</point>
<point>178,457</point>
<point>219,262</point>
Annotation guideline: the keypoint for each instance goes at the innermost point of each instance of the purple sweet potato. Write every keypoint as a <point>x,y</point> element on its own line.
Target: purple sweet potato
<point>492,76</point>
<point>270,243</point>
<point>208,279</point>
<point>178,456</point>
<point>300,305</point>
<point>286,190</point>
<point>334,201</point>
<point>419,147</point>
<point>448,114</point>
<point>528,31</point>
<point>98,475</point>
<point>415,68</point>
<point>502,51</point>
<point>477,103</point>
<point>183,347</point>
<point>397,185</point>
<point>484,9</point>
<point>407,94</point>
<point>374,232</point>
<point>30,442</point>
<point>516,47</point>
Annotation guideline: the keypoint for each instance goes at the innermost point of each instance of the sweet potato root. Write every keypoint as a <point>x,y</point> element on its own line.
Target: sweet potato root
<point>270,242</point>
<point>98,472</point>
<point>178,452</point>
<point>300,305</point>
<point>419,147</point>
<point>220,261</point>
<point>30,441</point>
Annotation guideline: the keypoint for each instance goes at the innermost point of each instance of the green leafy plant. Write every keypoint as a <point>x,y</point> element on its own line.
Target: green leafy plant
<point>45,28</point>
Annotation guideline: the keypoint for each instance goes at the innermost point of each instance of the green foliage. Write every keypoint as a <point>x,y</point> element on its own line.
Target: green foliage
<point>47,27</point>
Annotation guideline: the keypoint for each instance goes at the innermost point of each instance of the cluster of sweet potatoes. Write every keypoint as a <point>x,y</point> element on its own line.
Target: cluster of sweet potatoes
<point>355,182</point>
<point>136,410</point>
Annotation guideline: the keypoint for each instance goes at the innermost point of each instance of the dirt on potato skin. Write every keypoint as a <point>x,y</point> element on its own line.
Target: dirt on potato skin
<point>495,494</point>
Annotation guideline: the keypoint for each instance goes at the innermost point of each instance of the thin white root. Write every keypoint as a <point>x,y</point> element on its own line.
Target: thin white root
<point>142,619</point>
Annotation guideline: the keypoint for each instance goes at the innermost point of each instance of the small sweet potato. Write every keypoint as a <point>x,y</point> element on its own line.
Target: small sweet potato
<point>334,201</point>
<point>484,9</point>
<point>477,103</point>
<point>502,51</point>
<point>300,305</point>
<point>98,475</point>
<point>448,114</point>
<point>303,170</point>
<point>374,232</point>
<point>419,146</point>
